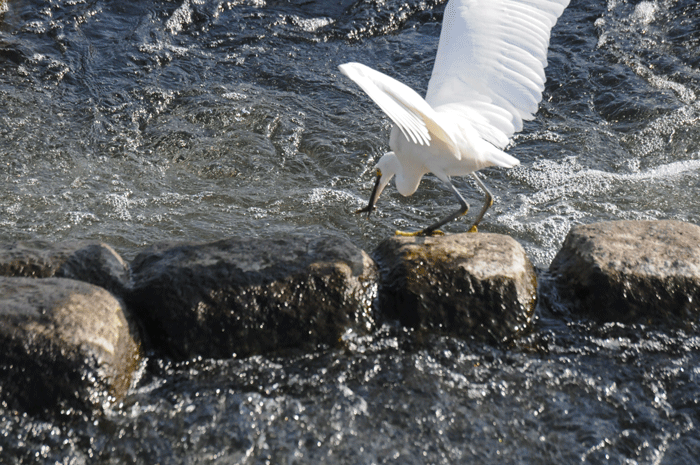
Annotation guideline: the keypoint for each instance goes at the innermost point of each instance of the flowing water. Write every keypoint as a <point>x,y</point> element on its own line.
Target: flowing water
<point>139,122</point>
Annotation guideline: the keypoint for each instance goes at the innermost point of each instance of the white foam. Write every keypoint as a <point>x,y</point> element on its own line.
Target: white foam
<point>645,12</point>
<point>180,18</point>
<point>311,24</point>
<point>321,195</point>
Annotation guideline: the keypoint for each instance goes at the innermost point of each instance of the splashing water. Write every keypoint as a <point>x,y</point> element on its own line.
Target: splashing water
<point>135,123</point>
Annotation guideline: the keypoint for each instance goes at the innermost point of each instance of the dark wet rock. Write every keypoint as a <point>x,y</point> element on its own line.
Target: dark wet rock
<point>248,295</point>
<point>90,261</point>
<point>631,271</point>
<point>63,344</point>
<point>471,285</point>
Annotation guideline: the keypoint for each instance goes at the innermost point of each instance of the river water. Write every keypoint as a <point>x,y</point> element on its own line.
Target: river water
<point>139,122</point>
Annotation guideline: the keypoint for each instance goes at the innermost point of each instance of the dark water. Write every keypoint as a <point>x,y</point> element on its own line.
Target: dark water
<point>137,122</point>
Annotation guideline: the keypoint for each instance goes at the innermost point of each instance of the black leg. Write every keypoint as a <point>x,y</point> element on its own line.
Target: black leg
<point>433,230</point>
<point>487,203</point>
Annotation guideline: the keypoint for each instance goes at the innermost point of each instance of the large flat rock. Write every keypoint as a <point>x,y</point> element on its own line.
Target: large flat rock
<point>91,261</point>
<point>247,295</point>
<point>481,286</point>
<point>63,344</point>
<point>631,271</point>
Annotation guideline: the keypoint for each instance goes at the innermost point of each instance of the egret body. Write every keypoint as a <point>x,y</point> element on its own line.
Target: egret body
<point>487,78</point>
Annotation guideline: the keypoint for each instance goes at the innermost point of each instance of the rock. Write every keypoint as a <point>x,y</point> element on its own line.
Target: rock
<point>631,271</point>
<point>249,295</point>
<point>63,344</point>
<point>471,285</point>
<point>90,261</point>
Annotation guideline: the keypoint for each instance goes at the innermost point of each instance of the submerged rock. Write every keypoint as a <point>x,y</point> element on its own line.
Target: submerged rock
<point>90,261</point>
<point>631,271</point>
<point>251,295</point>
<point>63,344</point>
<point>471,285</point>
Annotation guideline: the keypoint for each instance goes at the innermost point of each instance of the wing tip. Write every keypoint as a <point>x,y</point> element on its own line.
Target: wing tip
<point>351,67</point>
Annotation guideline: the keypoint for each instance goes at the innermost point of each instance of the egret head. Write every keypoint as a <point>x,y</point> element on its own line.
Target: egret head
<point>387,167</point>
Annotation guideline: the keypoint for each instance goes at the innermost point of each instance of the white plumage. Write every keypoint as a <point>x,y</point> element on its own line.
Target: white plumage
<point>488,77</point>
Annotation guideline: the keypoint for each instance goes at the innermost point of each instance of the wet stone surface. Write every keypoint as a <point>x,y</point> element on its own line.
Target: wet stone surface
<point>252,295</point>
<point>631,271</point>
<point>91,261</point>
<point>480,286</point>
<point>63,344</point>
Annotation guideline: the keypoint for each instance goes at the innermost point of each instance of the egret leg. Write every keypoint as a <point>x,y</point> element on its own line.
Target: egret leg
<point>487,203</point>
<point>433,230</point>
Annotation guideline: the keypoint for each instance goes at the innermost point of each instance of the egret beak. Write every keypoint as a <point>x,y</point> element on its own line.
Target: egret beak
<point>372,198</point>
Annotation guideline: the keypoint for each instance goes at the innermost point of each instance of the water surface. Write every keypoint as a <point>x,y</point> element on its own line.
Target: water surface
<point>139,122</point>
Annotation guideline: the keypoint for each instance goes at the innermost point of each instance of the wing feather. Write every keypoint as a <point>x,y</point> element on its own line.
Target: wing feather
<point>489,67</point>
<point>408,110</point>
<point>397,102</point>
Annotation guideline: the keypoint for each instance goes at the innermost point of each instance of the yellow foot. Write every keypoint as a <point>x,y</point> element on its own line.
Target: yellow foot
<point>422,232</point>
<point>473,229</point>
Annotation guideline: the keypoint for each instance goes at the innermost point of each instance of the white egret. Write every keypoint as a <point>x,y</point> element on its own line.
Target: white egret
<point>487,78</point>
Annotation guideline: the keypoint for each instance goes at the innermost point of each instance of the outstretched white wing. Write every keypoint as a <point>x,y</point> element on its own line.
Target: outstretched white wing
<point>413,116</point>
<point>490,62</point>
